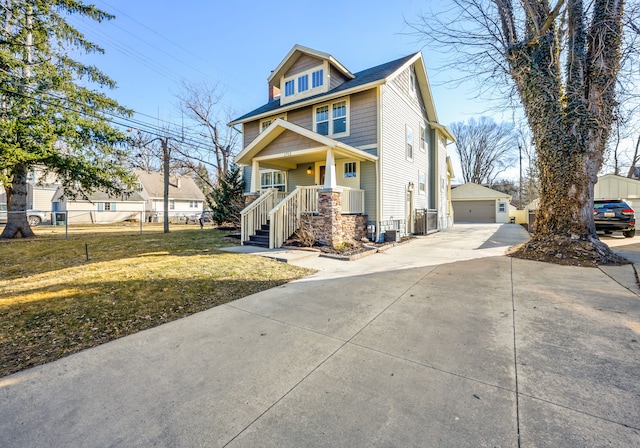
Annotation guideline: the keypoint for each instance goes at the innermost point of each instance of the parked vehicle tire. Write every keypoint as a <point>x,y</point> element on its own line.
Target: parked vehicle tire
<point>608,232</point>
<point>34,221</point>
<point>629,233</point>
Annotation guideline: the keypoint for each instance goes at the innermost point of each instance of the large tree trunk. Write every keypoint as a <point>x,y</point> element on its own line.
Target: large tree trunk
<point>17,223</point>
<point>570,114</point>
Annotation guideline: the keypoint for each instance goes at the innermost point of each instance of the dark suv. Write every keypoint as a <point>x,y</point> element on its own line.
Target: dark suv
<point>611,215</point>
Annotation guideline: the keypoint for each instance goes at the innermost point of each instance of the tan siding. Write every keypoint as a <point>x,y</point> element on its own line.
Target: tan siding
<point>301,117</point>
<point>336,79</point>
<point>363,119</point>
<point>304,63</point>
<point>403,83</point>
<point>249,132</point>
<point>288,141</point>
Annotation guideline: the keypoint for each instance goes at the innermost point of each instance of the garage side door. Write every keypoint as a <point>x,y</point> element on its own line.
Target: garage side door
<point>474,211</point>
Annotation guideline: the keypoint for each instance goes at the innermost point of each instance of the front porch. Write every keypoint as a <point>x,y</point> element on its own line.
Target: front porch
<point>322,180</point>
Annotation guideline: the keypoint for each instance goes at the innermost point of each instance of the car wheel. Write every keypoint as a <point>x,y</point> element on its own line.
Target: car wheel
<point>629,233</point>
<point>34,221</point>
<point>608,232</point>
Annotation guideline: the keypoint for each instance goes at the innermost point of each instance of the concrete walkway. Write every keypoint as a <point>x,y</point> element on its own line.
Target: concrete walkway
<point>442,342</point>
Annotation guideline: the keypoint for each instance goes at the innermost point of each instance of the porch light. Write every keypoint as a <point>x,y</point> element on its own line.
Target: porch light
<point>309,171</point>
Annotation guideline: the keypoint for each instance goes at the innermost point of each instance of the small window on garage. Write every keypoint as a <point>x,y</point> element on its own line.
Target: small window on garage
<point>502,207</point>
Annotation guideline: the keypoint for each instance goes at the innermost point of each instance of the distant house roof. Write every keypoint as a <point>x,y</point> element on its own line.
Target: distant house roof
<point>180,187</point>
<point>100,196</point>
<point>369,76</point>
<point>476,192</point>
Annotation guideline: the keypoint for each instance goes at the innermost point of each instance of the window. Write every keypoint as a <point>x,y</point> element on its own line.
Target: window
<point>422,182</point>
<point>350,170</point>
<point>272,179</point>
<point>409,143</point>
<point>264,124</point>
<point>289,87</point>
<point>502,207</point>
<point>193,204</point>
<point>303,83</point>
<point>106,206</point>
<point>172,205</point>
<point>322,120</point>
<point>332,119</point>
<point>317,78</point>
<point>423,138</point>
<point>412,80</point>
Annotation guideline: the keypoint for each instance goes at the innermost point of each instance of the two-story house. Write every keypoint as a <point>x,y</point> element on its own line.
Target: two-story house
<point>360,153</point>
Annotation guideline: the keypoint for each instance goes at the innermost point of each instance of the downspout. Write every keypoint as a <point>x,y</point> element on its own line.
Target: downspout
<point>379,166</point>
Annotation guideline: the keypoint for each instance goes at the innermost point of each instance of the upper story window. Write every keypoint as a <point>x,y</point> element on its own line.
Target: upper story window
<point>264,124</point>
<point>409,143</point>
<point>424,143</point>
<point>289,87</point>
<point>332,119</point>
<point>422,182</point>
<point>317,78</point>
<point>412,80</point>
<point>303,83</point>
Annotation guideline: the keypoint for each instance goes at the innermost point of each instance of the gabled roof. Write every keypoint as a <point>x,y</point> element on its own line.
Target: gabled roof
<point>100,196</point>
<point>279,126</point>
<point>362,80</point>
<point>153,184</point>
<point>476,192</point>
<point>292,57</point>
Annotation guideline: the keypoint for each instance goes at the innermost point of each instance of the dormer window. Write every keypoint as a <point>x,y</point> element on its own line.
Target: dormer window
<point>304,84</point>
<point>289,87</point>
<point>317,78</point>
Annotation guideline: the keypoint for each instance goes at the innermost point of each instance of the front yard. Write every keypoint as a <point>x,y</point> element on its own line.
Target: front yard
<point>54,302</point>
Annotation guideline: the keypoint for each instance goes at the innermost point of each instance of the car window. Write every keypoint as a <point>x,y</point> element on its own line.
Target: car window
<point>609,205</point>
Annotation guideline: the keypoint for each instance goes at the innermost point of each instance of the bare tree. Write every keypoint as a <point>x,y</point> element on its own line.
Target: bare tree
<point>485,148</point>
<point>562,62</point>
<point>201,102</point>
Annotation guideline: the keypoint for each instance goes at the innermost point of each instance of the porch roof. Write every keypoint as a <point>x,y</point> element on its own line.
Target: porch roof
<point>290,159</point>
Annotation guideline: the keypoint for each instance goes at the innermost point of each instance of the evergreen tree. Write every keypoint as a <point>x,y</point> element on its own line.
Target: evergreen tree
<point>49,117</point>
<point>227,198</point>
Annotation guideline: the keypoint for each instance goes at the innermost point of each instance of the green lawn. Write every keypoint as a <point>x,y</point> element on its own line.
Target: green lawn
<point>53,302</point>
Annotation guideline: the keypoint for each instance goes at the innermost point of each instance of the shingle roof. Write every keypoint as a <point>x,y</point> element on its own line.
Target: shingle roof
<point>373,74</point>
<point>154,186</point>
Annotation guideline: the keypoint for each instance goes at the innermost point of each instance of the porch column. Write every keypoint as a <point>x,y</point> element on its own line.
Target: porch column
<point>255,176</point>
<point>330,170</point>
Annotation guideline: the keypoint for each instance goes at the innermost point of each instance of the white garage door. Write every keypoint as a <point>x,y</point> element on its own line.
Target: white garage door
<point>474,211</point>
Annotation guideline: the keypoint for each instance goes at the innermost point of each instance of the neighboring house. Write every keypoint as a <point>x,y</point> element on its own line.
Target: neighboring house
<point>185,198</point>
<point>41,187</point>
<point>98,208</point>
<point>611,186</point>
<point>476,203</point>
<point>358,153</point>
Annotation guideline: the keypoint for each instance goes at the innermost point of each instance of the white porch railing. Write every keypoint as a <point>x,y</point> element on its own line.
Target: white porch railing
<point>352,201</point>
<point>284,212</point>
<point>257,213</point>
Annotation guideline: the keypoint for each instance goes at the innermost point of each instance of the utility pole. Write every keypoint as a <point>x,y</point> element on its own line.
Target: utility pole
<point>520,186</point>
<point>166,153</point>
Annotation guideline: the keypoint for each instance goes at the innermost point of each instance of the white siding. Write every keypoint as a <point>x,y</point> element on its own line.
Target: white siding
<point>397,171</point>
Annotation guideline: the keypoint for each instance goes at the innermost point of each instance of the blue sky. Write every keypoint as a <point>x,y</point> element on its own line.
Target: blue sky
<point>149,50</point>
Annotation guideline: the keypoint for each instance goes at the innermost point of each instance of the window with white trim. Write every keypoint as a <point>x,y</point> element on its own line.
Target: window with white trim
<point>422,182</point>
<point>272,179</point>
<point>502,207</point>
<point>172,204</point>
<point>424,143</point>
<point>350,170</point>
<point>409,143</point>
<point>413,80</point>
<point>332,119</point>
<point>264,124</point>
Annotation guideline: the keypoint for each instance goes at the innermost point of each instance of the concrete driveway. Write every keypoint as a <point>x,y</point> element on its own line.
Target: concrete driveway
<point>442,342</point>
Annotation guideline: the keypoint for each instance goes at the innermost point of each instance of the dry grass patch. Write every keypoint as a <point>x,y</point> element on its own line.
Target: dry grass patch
<point>53,302</point>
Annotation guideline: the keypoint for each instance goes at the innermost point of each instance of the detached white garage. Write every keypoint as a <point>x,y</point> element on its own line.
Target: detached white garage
<point>475,203</point>
<point>611,186</point>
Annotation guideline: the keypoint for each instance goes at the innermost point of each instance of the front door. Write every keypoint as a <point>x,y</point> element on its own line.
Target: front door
<point>322,171</point>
